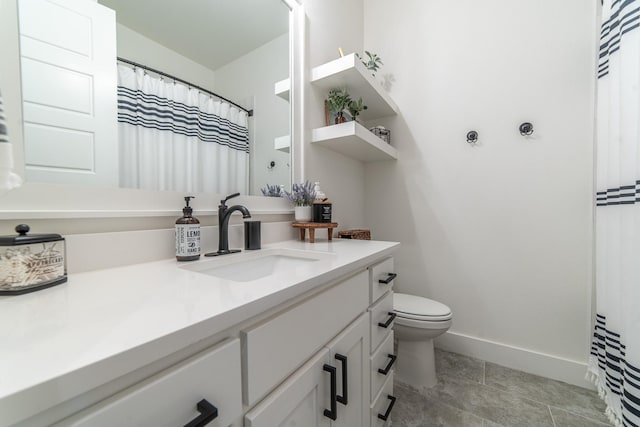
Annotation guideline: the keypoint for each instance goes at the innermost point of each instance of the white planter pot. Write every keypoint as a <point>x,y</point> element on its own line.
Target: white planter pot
<point>302,213</point>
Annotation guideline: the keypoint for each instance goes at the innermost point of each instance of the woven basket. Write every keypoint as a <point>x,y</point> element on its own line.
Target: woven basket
<point>358,234</point>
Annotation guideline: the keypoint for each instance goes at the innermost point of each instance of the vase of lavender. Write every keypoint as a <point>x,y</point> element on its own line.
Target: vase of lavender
<point>302,197</point>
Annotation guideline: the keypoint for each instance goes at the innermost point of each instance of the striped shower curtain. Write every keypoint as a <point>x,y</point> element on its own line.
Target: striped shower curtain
<point>614,364</point>
<point>172,137</point>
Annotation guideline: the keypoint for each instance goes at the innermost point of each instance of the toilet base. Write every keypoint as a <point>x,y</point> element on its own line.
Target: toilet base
<point>416,364</point>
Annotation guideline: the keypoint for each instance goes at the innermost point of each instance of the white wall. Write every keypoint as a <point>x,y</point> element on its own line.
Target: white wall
<point>332,24</point>
<point>500,232</point>
<point>252,77</point>
<point>134,46</point>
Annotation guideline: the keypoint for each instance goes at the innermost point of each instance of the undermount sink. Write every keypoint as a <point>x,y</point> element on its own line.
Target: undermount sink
<point>249,266</point>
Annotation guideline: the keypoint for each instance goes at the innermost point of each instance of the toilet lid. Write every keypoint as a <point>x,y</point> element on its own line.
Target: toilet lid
<point>419,308</point>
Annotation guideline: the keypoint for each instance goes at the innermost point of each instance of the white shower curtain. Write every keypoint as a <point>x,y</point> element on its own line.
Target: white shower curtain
<point>173,137</point>
<point>614,364</point>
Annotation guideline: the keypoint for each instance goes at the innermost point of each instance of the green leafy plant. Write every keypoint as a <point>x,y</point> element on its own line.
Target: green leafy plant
<point>301,194</point>
<point>373,62</point>
<point>272,191</point>
<point>356,108</point>
<point>338,101</point>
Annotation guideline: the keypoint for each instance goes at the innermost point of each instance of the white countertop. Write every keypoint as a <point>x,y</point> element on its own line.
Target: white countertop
<point>120,319</point>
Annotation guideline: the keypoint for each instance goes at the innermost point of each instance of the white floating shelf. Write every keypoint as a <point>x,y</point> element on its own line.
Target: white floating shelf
<point>282,89</point>
<point>349,72</point>
<point>353,140</point>
<point>283,143</point>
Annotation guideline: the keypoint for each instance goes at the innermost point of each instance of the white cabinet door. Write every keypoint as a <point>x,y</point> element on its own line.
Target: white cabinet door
<point>382,406</point>
<point>279,345</point>
<point>381,280</point>
<point>382,363</point>
<point>175,396</point>
<point>349,352</point>
<point>319,393</point>
<point>382,318</point>
<point>69,89</point>
<point>300,401</point>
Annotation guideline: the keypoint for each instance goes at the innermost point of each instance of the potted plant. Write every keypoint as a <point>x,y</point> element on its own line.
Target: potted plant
<point>338,102</point>
<point>302,196</point>
<point>355,108</point>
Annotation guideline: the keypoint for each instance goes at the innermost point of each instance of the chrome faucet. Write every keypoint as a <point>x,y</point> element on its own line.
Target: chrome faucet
<point>224,213</point>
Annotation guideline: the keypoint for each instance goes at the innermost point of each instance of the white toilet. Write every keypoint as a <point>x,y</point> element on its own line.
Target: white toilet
<point>418,321</point>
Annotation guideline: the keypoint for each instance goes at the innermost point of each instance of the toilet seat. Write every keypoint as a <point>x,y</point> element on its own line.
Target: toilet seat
<point>420,309</point>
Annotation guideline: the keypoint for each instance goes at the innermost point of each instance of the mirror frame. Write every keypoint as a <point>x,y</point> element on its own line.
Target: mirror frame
<point>42,200</point>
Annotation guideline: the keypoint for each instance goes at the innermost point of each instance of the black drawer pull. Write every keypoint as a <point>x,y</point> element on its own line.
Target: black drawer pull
<point>208,413</point>
<point>385,417</point>
<point>344,399</point>
<point>389,278</point>
<point>333,413</point>
<point>386,324</point>
<point>387,368</point>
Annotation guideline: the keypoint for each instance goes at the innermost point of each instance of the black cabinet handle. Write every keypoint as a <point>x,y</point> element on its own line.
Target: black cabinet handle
<point>208,413</point>
<point>344,399</point>
<point>333,413</point>
<point>386,324</point>
<point>389,278</point>
<point>385,417</point>
<point>387,368</point>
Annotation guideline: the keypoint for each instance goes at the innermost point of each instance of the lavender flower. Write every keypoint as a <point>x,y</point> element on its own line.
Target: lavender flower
<point>301,194</point>
<point>272,191</point>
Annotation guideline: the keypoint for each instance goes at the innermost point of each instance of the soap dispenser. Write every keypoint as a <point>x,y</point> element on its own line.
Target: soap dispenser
<point>187,234</point>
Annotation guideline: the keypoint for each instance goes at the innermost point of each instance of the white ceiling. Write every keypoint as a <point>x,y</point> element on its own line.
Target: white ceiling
<point>211,32</point>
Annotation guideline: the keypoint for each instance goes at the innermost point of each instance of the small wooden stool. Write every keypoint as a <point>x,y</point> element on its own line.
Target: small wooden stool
<point>312,229</point>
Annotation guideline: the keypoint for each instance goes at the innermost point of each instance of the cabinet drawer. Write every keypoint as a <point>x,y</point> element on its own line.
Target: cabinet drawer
<point>169,398</point>
<point>381,360</point>
<point>381,319</point>
<point>382,271</point>
<point>382,407</point>
<point>275,348</point>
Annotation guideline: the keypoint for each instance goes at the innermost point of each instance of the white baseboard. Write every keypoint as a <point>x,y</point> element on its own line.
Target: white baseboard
<point>533,362</point>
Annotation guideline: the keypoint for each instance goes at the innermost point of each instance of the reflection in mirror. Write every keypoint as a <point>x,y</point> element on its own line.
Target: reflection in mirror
<point>169,135</point>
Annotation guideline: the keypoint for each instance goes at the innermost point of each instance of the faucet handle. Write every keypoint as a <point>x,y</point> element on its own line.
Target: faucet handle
<point>230,196</point>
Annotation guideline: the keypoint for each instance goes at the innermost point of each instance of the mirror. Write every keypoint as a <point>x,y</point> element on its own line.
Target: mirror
<point>236,48</point>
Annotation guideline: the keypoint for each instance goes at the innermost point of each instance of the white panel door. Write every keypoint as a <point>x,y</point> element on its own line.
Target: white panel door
<point>69,84</point>
<point>350,351</point>
<point>300,401</point>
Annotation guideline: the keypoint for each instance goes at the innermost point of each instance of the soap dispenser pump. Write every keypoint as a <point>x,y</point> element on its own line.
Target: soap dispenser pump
<point>187,234</point>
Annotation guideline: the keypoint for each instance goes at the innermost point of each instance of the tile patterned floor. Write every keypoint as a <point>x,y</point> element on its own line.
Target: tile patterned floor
<point>475,393</point>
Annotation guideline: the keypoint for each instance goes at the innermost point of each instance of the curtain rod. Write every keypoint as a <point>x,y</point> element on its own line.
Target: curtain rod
<point>144,67</point>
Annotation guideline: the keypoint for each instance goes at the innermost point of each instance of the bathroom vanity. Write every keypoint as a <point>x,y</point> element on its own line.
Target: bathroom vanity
<point>297,332</point>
